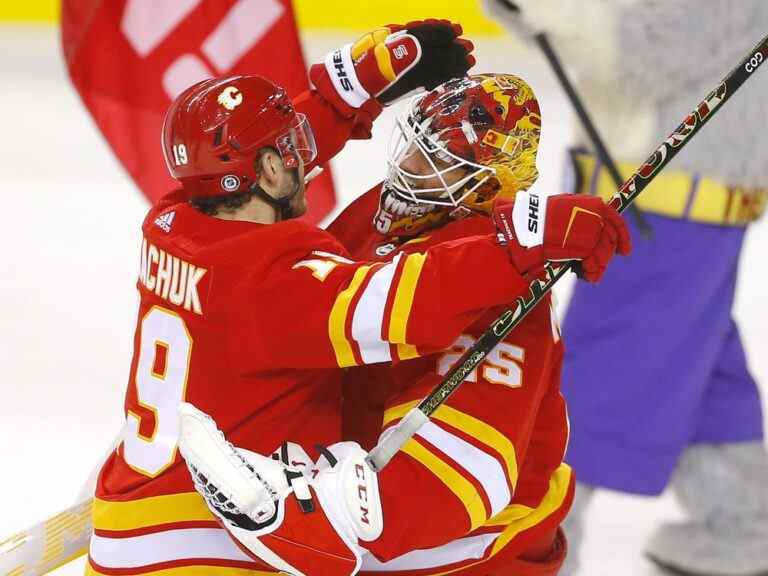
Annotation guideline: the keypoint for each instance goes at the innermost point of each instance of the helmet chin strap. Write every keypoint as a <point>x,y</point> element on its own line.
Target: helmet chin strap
<point>281,206</point>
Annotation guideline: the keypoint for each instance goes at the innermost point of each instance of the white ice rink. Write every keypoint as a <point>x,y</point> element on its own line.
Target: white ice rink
<point>69,244</point>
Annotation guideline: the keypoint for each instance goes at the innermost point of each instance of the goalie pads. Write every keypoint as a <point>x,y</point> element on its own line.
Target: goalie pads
<point>297,520</point>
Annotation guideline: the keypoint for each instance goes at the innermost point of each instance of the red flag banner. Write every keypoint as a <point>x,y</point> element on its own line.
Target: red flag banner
<point>129,58</point>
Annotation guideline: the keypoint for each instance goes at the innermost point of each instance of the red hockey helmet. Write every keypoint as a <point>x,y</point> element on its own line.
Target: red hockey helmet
<point>484,128</point>
<point>213,130</point>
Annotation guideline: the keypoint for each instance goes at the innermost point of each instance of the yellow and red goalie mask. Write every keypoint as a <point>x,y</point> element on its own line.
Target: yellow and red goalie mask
<point>477,138</point>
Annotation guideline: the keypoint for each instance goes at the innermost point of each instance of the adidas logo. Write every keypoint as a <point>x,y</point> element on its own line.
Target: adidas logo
<point>165,221</point>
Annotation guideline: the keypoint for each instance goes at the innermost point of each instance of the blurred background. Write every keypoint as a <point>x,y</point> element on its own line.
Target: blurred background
<point>71,230</point>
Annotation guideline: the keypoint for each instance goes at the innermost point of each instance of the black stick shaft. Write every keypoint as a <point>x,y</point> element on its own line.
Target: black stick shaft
<point>586,121</point>
<point>509,319</point>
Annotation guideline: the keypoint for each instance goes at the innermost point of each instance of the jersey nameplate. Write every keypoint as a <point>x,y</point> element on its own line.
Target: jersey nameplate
<point>170,277</point>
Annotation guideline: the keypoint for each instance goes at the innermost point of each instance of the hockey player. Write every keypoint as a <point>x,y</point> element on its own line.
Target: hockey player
<point>675,407</point>
<point>246,311</point>
<point>483,482</point>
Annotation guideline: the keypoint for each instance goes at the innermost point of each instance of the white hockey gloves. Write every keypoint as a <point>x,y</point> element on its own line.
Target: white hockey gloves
<point>300,520</point>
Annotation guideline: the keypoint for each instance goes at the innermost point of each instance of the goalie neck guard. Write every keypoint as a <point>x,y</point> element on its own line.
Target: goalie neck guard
<point>478,135</point>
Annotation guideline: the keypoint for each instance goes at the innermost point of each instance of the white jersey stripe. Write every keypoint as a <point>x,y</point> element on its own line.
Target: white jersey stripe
<point>486,469</point>
<point>369,315</point>
<point>167,546</point>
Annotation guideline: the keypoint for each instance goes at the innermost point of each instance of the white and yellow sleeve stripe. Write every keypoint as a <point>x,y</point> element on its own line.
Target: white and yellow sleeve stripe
<point>371,314</point>
<point>337,320</point>
<point>489,464</point>
<point>163,532</point>
<point>403,304</point>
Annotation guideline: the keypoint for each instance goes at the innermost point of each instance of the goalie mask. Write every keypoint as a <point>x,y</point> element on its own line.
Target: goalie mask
<point>457,149</point>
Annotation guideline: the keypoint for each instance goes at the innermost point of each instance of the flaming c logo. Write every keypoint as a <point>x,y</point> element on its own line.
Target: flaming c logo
<point>230,98</point>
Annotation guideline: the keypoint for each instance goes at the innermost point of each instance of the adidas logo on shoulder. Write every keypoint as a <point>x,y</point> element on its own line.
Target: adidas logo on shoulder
<point>165,221</point>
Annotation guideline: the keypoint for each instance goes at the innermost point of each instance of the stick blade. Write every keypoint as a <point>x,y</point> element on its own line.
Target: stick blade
<point>49,544</point>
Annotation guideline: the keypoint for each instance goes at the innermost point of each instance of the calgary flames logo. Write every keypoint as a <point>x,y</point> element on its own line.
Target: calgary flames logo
<point>230,98</point>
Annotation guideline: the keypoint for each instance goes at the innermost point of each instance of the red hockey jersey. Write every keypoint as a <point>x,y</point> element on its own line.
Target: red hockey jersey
<point>485,477</point>
<point>253,323</point>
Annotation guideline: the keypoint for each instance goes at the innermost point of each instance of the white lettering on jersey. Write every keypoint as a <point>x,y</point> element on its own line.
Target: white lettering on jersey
<point>170,277</point>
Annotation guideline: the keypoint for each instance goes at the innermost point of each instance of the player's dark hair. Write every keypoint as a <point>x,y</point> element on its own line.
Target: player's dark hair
<point>211,205</point>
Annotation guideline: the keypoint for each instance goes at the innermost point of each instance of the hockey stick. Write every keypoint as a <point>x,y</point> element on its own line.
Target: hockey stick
<point>602,152</point>
<point>58,540</point>
<point>49,544</point>
<point>524,29</point>
<point>509,319</point>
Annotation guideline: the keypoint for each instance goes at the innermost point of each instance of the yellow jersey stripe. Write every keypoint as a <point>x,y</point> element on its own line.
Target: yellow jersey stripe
<point>337,321</point>
<point>191,571</point>
<point>474,427</point>
<point>552,501</point>
<point>153,511</point>
<point>519,518</point>
<point>453,480</point>
<point>406,288</point>
<point>406,352</point>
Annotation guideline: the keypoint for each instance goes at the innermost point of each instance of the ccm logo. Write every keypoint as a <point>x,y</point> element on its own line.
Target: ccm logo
<point>341,73</point>
<point>362,494</point>
<point>533,213</point>
<point>400,52</point>
<point>754,62</point>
